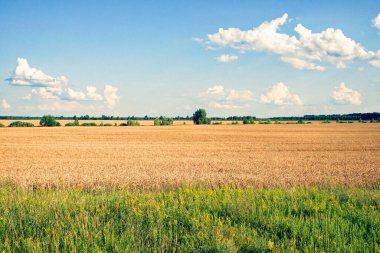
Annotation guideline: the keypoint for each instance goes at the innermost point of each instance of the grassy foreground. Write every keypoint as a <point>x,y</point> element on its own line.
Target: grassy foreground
<point>190,219</point>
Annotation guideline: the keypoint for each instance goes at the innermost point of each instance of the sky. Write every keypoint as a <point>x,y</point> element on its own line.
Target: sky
<point>263,58</point>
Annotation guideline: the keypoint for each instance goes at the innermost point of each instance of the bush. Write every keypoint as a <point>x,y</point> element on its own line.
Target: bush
<point>133,123</point>
<point>300,121</point>
<point>200,117</point>
<point>217,123</point>
<point>75,123</point>
<point>326,122</point>
<point>89,124</point>
<point>21,124</point>
<point>235,123</point>
<point>248,121</point>
<point>162,121</point>
<point>264,122</point>
<point>130,122</point>
<point>49,121</point>
<point>2,125</point>
<point>106,124</point>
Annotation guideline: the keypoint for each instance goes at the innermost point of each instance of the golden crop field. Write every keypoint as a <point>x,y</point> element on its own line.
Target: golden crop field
<point>154,157</point>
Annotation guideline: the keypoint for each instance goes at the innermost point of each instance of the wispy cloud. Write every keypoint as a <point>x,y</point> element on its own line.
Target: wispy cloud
<point>226,58</point>
<point>376,21</point>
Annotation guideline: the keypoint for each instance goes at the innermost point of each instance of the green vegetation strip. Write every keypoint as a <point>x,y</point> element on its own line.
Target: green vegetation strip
<point>190,219</point>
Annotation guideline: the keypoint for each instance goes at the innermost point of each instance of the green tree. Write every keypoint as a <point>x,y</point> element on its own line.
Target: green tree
<point>200,117</point>
<point>49,121</point>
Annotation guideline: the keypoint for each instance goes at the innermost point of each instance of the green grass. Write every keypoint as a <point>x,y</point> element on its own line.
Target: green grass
<point>190,219</point>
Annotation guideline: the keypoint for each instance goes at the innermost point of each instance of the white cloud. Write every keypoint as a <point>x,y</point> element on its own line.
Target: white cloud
<point>345,95</point>
<point>219,97</point>
<point>301,64</point>
<point>279,94</point>
<point>376,22</point>
<point>4,104</point>
<point>57,89</point>
<point>27,97</point>
<point>216,89</point>
<point>110,96</point>
<point>308,51</point>
<point>226,58</point>
<point>24,75</point>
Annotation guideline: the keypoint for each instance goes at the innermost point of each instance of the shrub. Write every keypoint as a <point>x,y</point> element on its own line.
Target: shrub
<point>235,123</point>
<point>264,122</point>
<point>75,123</point>
<point>217,123</point>
<point>49,121</point>
<point>89,124</point>
<point>248,121</point>
<point>162,121</point>
<point>200,117</point>
<point>21,124</point>
<point>130,122</point>
<point>300,121</point>
<point>133,123</point>
<point>2,125</point>
<point>107,124</point>
<point>326,122</point>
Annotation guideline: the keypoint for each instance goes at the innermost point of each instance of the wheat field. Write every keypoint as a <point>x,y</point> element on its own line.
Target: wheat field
<point>156,157</point>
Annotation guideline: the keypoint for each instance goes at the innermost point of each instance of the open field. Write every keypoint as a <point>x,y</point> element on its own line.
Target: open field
<point>189,188</point>
<point>190,220</point>
<point>156,157</point>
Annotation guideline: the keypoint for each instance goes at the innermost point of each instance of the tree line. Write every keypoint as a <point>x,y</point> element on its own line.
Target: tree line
<point>351,116</point>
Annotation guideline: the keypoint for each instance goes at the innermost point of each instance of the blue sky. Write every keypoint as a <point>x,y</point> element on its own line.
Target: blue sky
<point>170,58</point>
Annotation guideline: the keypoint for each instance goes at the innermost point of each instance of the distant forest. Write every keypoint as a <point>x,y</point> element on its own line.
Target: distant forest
<point>351,116</point>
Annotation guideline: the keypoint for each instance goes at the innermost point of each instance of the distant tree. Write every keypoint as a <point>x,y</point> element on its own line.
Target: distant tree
<point>49,121</point>
<point>200,117</point>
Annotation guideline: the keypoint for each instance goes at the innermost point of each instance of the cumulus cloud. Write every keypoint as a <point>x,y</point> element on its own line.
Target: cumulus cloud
<point>110,96</point>
<point>307,51</point>
<point>56,88</point>
<point>279,94</point>
<point>4,104</point>
<point>221,98</point>
<point>376,21</point>
<point>226,58</point>
<point>345,95</point>
<point>24,75</point>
